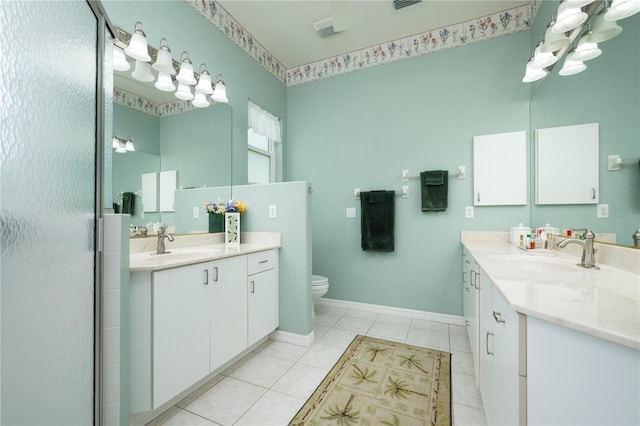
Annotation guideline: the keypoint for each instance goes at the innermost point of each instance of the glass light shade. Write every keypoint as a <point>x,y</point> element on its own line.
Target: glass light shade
<point>572,67</point>
<point>603,29</point>
<point>220,92</point>
<point>164,61</point>
<point>554,41</point>
<point>119,60</point>
<point>621,9</point>
<point>542,59</point>
<point>586,50</point>
<point>200,100</point>
<point>533,74</point>
<point>122,147</point>
<point>129,146</point>
<point>186,72</point>
<point>204,84</point>
<point>164,83</point>
<point>138,48</point>
<point>184,92</point>
<point>568,18</point>
<point>142,72</point>
<point>115,142</point>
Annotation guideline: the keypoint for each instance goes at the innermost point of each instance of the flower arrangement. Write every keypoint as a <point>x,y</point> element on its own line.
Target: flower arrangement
<point>221,208</point>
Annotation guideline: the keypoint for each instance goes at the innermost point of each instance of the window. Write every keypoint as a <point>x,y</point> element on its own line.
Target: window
<point>264,130</point>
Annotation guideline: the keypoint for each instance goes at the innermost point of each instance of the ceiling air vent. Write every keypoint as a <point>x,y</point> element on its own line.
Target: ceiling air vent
<point>399,4</point>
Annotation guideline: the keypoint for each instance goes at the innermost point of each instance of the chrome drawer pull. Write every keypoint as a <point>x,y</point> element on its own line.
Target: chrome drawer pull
<point>263,261</point>
<point>215,275</point>
<point>206,276</point>
<point>487,343</point>
<point>498,317</point>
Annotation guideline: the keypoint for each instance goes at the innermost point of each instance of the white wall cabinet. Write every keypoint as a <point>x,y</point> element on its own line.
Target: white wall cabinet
<point>180,330</point>
<point>189,321</point>
<point>168,184</point>
<point>567,169</point>
<point>228,309</point>
<point>150,192</point>
<point>500,169</point>
<point>262,295</point>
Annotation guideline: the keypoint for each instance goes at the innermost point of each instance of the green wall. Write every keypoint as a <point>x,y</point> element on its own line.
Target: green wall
<point>359,130</point>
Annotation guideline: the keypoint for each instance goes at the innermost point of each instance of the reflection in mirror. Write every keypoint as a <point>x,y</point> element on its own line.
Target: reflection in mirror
<point>607,93</point>
<point>194,141</point>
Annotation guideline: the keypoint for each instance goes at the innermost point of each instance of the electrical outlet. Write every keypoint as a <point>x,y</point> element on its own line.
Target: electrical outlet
<point>196,212</point>
<point>272,211</point>
<point>351,212</point>
<point>468,212</point>
<point>603,211</point>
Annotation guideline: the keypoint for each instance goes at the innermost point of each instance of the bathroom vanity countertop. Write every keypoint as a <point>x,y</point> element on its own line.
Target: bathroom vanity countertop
<point>604,303</point>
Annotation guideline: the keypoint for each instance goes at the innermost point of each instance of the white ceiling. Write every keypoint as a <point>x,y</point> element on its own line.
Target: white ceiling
<point>284,27</point>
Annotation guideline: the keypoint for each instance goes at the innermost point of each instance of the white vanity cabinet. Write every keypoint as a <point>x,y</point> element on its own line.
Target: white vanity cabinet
<point>262,284</point>
<point>188,321</point>
<point>228,309</point>
<point>180,330</point>
<point>470,302</point>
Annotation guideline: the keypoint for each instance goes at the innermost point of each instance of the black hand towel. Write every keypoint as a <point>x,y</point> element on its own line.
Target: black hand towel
<point>377,220</point>
<point>128,203</point>
<point>434,187</point>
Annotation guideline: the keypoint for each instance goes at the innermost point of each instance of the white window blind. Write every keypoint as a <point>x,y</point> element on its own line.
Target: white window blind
<point>264,123</point>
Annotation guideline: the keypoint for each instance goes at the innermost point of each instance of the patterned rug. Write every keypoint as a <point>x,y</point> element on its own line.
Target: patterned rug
<point>378,382</point>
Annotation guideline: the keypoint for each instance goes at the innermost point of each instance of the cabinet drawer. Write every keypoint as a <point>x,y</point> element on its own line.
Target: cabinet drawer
<point>261,261</point>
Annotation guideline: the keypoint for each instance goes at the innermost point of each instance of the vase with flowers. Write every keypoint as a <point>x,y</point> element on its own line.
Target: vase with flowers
<point>218,211</point>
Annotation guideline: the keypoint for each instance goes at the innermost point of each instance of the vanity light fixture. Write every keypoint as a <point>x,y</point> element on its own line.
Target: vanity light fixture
<point>122,146</point>
<point>142,72</point>
<point>120,62</point>
<point>586,50</point>
<point>128,146</point>
<point>569,17</point>
<point>621,9</point>
<point>603,29</point>
<point>220,90</point>
<point>572,66</point>
<point>204,83</point>
<point>542,59</point>
<point>138,48</point>
<point>184,92</point>
<point>200,100</point>
<point>533,74</point>
<point>554,41</point>
<point>185,75</point>
<point>164,62</point>
<point>165,83</point>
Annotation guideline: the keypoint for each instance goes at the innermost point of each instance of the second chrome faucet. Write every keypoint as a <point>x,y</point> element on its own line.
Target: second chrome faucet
<point>161,236</point>
<point>588,251</point>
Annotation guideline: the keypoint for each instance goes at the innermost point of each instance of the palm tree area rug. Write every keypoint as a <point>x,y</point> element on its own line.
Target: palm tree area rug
<point>379,382</point>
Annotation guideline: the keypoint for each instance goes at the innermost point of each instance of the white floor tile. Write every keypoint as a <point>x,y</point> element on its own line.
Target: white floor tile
<point>338,338</point>
<point>300,381</point>
<point>283,350</point>
<point>458,329</point>
<point>460,343</point>
<point>357,325</point>
<point>430,325</point>
<point>389,331</point>
<point>262,370</point>
<point>319,331</point>
<point>465,391</point>
<point>428,339</point>
<point>462,362</point>
<point>393,319</point>
<point>322,356</point>
<point>331,310</point>
<point>185,418</point>
<point>227,401</point>
<point>468,416</point>
<point>273,409</point>
<point>354,313</point>
<point>326,320</point>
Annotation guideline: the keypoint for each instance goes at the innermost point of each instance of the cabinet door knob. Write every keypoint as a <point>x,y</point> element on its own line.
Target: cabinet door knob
<point>593,193</point>
<point>206,276</point>
<point>467,322</point>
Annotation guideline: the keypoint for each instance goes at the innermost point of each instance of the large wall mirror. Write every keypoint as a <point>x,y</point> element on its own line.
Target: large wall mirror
<point>168,134</point>
<point>607,93</point>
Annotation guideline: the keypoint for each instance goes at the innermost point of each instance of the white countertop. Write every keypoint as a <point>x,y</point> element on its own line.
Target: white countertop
<point>191,249</point>
<point>604,303</point>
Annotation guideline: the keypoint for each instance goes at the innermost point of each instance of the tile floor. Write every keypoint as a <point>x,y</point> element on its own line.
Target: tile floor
<point>270,384</point>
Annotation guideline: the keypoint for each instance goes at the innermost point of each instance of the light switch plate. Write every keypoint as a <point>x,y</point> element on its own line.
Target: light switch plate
<point>356,193</point>
<point>603,211</point>
<point>468,212</point>
<point>405,176</point>
<point>196,213</point>
<point>272,211</point>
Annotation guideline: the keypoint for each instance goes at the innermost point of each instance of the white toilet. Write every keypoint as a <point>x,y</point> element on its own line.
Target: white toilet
<point>319,287</point>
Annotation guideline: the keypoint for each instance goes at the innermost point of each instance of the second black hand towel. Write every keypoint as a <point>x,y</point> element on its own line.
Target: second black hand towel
<point>377,221</point>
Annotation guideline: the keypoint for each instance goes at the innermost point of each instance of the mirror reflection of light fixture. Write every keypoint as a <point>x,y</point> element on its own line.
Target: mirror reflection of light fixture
<point>533,74</point>
<point>138,48</point>
<point>586,50</point>
<point>569,17</point>
<point>554,41</point>
<point>164,62</point>
<point>120,62</point>
<point>621,9</point>
<point>220,90</point>
<point>165,83</point>
<point>572,66</point>
<point>204,83</point>
<point>184,92</point>
<point>122,146</point>
<point>603,29</point>
<point>185,75</point>
<point>142,72</point>
<point>542,59</point>
<point>200,100</point>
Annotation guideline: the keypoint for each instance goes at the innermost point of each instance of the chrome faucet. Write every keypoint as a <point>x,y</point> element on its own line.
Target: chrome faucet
<point>588,251</point>
<point>161,236</point>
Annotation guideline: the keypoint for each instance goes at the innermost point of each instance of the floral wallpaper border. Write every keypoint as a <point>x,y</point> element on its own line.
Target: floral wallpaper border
<point>507,22</point>
<point>139,103</point>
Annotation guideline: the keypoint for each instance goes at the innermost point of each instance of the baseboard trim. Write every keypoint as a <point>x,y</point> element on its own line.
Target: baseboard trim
<point>293,338</point>
<point>401,312</point>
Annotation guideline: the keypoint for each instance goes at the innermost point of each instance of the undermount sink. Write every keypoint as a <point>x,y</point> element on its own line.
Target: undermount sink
<point>182,253</point>
<point>541,264</point>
